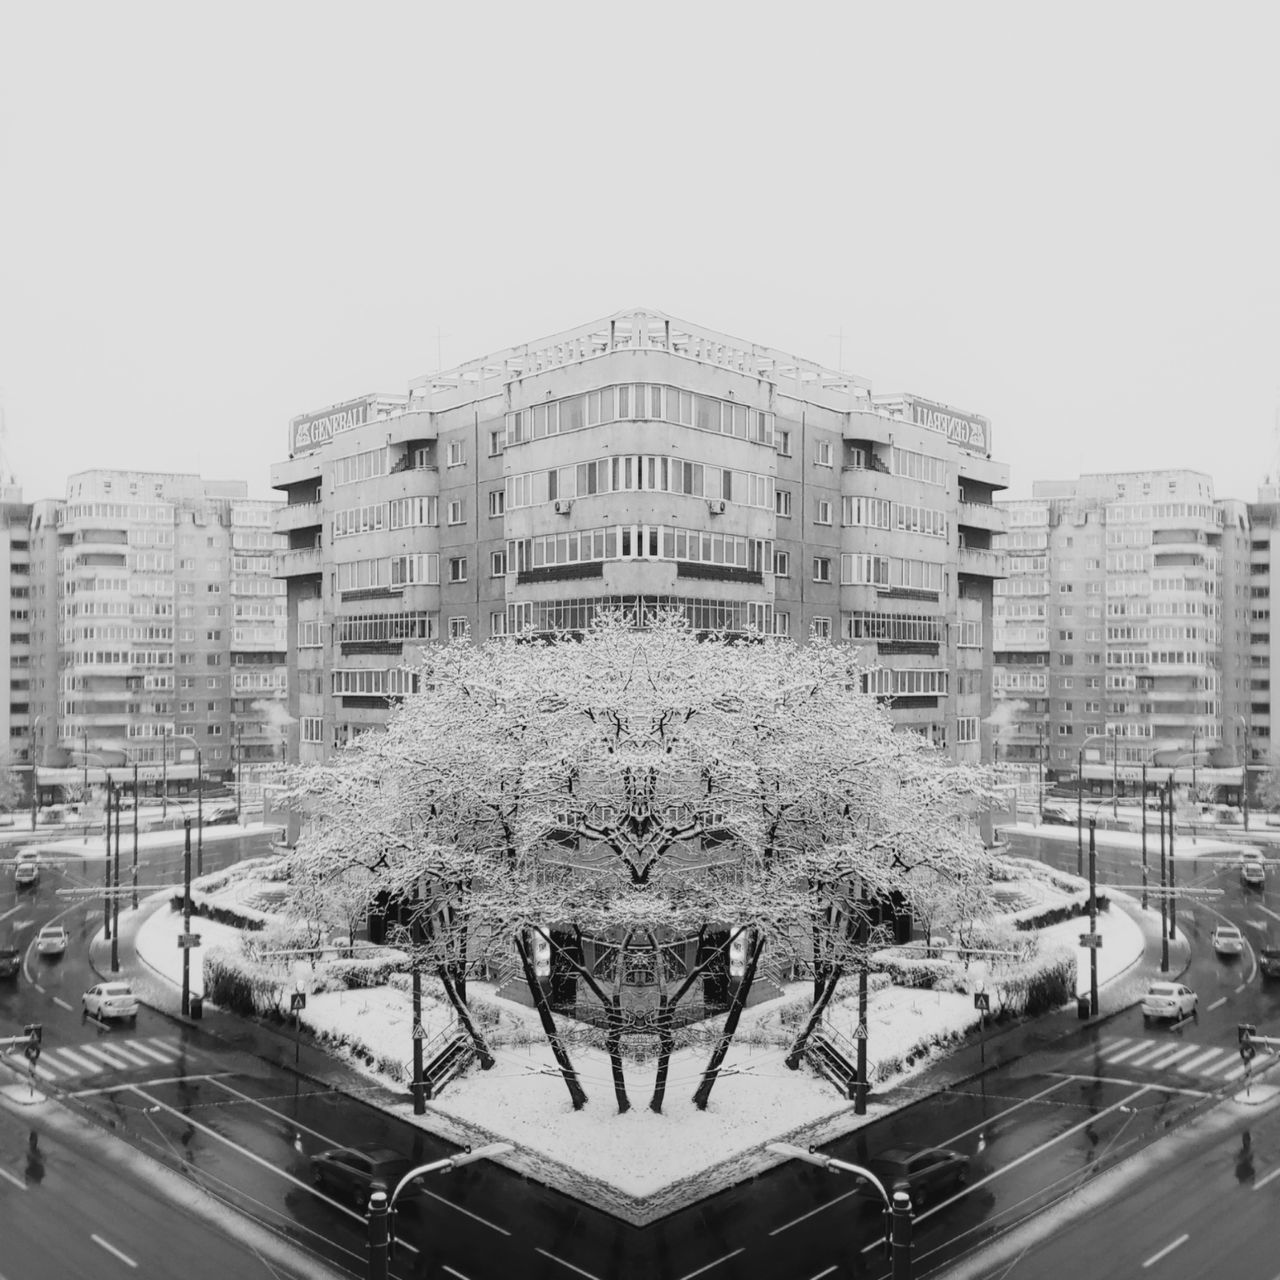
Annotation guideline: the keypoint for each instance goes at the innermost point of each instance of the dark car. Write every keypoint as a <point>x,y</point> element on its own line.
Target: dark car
<point>1269,962</point>
<point>10,962</point>
<point>929,1172</point>
<point>1057,815</point>
<point>355,1173</point>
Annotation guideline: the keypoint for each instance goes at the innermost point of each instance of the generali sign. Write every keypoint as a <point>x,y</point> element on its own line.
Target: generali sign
<point>313,430</point>
<point>963,429</point>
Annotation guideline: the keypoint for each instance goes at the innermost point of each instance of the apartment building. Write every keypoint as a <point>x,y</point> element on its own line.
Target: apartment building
<point>15,640</point>
<point>156,631</point>
<point>639,461</point>
<point>1121,629</point>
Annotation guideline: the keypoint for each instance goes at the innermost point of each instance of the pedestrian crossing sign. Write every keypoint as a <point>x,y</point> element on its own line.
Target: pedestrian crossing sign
<point>419,1031</point>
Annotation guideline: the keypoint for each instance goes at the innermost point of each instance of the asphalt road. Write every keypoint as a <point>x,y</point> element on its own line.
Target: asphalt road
<point>1035,1129</point>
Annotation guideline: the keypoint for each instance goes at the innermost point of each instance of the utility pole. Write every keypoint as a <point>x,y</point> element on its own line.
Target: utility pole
<point>199,814</point>
<point>1080,811</point>
<point>1173,874</point>
<point>1164,898</point>
<point>1144,835</point>
<point>186,916</point>
<point>135,837</point>
<point>1040,759</point>
<point>115,886</point>
<point>1093,918</point>
<point>106,864</point>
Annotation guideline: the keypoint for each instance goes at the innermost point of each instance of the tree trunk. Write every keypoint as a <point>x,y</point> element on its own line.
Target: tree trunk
<point>576,1094</point>
<point>796,1052</point>
<point>613,1039</point>
<point>464,1016</point>
<point>703,1094</point>
<point>666,1041</point>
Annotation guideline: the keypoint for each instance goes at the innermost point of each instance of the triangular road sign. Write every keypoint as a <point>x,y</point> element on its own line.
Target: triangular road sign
<point>419,1032</point>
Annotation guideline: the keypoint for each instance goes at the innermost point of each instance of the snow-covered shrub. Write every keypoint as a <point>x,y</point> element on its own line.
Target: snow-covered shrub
<point>910,967</point>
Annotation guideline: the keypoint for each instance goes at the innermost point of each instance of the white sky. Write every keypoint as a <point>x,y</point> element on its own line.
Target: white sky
<point>1064,217</point>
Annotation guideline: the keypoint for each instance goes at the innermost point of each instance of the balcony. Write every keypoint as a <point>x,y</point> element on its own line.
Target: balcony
<point>981,515</point>
<point>298,515</point>
<point>982,563</point>
<point>300,563</point>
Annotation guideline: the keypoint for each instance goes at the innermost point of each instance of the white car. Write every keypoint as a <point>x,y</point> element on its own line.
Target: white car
<point>111,1000</point>
<point>1168,1000</point>
<point>52,940</point>
<point>1228,940</point>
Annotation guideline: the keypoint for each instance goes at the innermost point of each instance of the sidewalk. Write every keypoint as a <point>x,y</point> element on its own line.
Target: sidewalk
<point>276,1045</point>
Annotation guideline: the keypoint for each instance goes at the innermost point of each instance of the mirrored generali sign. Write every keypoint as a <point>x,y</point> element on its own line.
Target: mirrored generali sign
<point>313,430</point>
<point>965,430</point>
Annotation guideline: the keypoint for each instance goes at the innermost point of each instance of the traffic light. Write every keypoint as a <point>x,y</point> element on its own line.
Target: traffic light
<point>1245,1031</point>
<point>35,1030</point>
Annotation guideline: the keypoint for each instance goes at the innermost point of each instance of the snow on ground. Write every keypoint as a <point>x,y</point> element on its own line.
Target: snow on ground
<point>638,1162</point>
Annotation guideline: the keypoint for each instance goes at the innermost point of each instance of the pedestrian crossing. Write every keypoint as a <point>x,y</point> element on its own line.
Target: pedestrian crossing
<point>68,1063</point>
<point>1218,1063</point>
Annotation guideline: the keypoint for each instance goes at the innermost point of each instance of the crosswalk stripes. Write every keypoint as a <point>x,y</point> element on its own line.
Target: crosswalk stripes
<point>1184,1059</point>
<point>73,1062</point>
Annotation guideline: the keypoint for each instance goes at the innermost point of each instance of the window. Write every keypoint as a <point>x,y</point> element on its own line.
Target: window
<point>782,502</point>
<point>496,499</point>
<point>821,629</point>
<point>498,623</point>
<point>455,456</point>
<point>781,623</point>
<point>783,441</point>
<point>457,568</point>
<point>310,634</point>
<point>496,439</point>
<point>459,629</point>
<point>409,512</point>
<point>823,455</point>
<point>822,512</point>
<point>213,659</point>
<point>213,635</point>
<point>967,729</point>
<point>497,564</point>
<point>312,728</point>
<point>781,564</point>
<point>822,568</point>
<point>421,567</point>
<point>456,515</point>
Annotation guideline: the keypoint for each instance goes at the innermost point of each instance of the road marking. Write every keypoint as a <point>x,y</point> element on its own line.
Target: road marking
<point>563,1263</point>
<point>17,1182</point>
<point>150,1084</point>
<point>475,1217</point>
<point>1262,1182</point>
<point>1126,1053</point>
<point>108,1057</point>
<point>130,1053</point>
<point>795,1222</point>
<point>1220,1001</point>
<point>1028,1155</point>
<point>1193,1064</point>
<point>1169,1248</point>
<point>688,1275</point>
<point>11,911</point>
<point>62,1004</point>
<point>85,1064</point>
<point>1173,1055</point>
<point>1237,1072</point>
<point>157,1105</point>
<point>110,1248</point>
<point>141,1046</point>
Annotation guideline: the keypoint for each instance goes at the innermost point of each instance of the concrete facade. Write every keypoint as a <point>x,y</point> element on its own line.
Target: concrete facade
<point>641,461</point>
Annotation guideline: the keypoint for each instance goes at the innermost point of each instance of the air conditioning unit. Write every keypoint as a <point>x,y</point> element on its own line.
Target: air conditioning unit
<point>563,506</point>
<point>717,506</point>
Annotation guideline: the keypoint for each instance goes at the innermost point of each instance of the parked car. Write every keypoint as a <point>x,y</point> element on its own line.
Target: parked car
<point>929,1172</point>
<point>1269,962</point>
<point>1057,815</point>
<point>1253,875</point>
<point>25,874</point>
<point>10,962</point>
<point>111,1000</point>
<point>355,1173</point>
<point>1168,1000</point>
<point>52,940</point>
<point>1228,940</point>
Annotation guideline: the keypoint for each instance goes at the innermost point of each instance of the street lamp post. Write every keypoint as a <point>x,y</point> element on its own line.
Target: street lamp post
<point>1040,761</point>
<point>1144,835</point>
<point>1093,918</point>
<point>35,772</point>
<point>1173,873</point>
<point>382,1208</point>
<point>897,1207</point>
<point>1093,737</point>
<point>199,800</point>
<point>186,916</point>
<point>1164,901</point>
<point>115,884</point>
<point>1244,769</point>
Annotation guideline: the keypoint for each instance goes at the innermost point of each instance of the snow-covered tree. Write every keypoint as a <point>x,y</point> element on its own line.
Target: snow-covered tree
<point>640,797</point>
